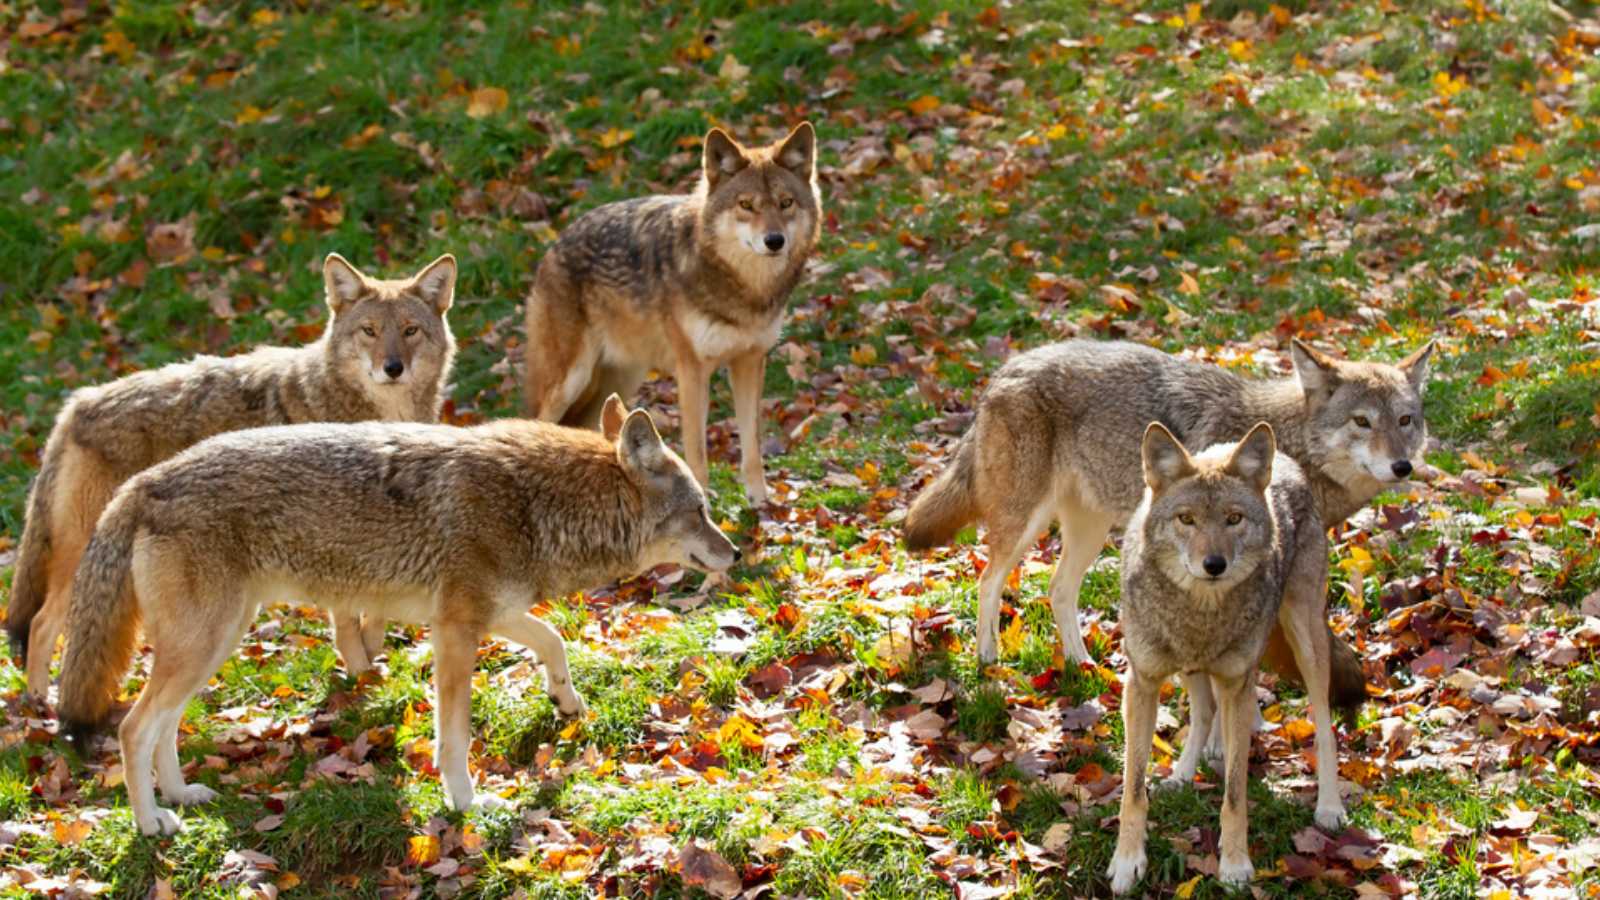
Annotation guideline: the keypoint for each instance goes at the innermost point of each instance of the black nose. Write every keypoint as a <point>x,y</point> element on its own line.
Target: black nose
<point>394,368</point>
<point>1215,565</point>
<point>737,554</point>
<point>1401,467</point>
<point>774,241</point>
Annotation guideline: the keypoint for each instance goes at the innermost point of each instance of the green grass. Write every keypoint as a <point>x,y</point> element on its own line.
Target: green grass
<point>1364,175</point>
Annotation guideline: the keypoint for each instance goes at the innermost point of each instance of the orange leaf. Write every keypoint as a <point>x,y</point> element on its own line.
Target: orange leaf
<point>925,104</point>
<point>422,850</point>
<point>487,101</point>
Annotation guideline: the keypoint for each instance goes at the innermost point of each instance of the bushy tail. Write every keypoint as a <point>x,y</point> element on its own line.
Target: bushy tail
<point>1347,684</point>
<point>103,623</point>
<point>30,582</point>
<point>948,504</point>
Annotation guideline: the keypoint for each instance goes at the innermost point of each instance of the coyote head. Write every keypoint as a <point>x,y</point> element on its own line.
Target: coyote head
<point>390,332</point>
<point>1207,525</point>
<point>1364,419</point>
<point>763,209</point>
<point>675,516</point>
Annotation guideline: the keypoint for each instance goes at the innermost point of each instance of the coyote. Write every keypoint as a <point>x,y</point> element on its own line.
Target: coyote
<point>1225,544</point>
<point>682,283</point>
<point>461,528</point>
<point>1057,438</point>
<point>385,354</point>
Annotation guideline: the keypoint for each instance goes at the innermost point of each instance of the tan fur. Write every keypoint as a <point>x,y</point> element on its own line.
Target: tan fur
<point>106,434</point>
<point>1224,545</point>
<point>463,529</point>
<point>1057,435</point>
<point>683,284</point>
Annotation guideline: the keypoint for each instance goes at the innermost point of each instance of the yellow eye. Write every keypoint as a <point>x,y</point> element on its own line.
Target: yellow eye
<point>411,331</point>
<point>1235,518</point>
<point>368,331</point>
<point>1361,422</point>
<point>747,205</point>
<point>1185,518</point>
<point>786,202</point>
<point>1404,421</point>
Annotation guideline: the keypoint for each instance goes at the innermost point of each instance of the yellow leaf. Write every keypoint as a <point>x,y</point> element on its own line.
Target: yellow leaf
<point>487,101</point>
<point>741,731</point>
<point>1241,51</point>
<point>864,354</point>
<point>1011,637</point>
<point>1191,12</point>
<point>1187,284</point>
<point>522,865</point>
<point>1360,561</point>
<point>613,137</point>
<point>868,472</point>
<point>1186,890</point>
<point>422,850</point>
<point>117,43</point>
<point>249,114</point>
<point>1056,132</point>
<point>925,104</point>
<point>263,17</point>
<point>1175,22</point>
<point>71,832</point>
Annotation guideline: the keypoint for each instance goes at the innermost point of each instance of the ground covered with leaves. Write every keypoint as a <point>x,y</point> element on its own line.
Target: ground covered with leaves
<point>1212,178</point>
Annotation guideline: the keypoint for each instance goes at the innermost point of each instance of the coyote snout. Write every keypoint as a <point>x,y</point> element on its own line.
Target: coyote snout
<point>1209,515</point>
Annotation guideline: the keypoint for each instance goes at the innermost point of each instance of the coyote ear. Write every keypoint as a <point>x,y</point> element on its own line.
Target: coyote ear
<point>437,283</point>
<point>639,446</point>
<point>723,156</point>
<point>1416,366</point>
<point>798,153</point>
<point>611,416</point>
<point>1165,459</point>
<point>341,282</point>
<point>1251,459</point>
<point>1317,371</point>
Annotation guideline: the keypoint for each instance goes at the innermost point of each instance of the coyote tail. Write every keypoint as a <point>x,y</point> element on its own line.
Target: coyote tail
<point>947,504</point>
<point>103,621</point>
<point>30,583</point>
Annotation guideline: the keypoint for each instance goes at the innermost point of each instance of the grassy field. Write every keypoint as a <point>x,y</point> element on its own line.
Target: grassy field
<point>1212,177</point>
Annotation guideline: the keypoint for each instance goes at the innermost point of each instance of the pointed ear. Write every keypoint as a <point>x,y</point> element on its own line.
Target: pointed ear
<point>1251,459</point>
<point>437,283</point>
<point>723,157</point>
<point>1318,372</point>
<point>341,282</point>
<point>1416,366</point>
<point>1165,460</point>
<point>798,153</point>
<point>611,416</point>
<point>639,446</point>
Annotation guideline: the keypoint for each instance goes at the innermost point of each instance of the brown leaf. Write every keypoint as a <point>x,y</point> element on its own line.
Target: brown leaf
<point>706,869</point>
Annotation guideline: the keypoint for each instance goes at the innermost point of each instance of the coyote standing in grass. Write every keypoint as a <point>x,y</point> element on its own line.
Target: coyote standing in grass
<point>1222,541</point>
<point>385,354</point>
<point>683,284</point>
<point>461,528</point>
<point>1057,438</point>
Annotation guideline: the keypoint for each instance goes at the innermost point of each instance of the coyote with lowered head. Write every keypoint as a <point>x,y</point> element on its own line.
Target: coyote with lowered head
<point>684,284</point>
<point>1057,439</point>
<point>1224,545</point>
<point>461,528</point>
<point>385,354</point>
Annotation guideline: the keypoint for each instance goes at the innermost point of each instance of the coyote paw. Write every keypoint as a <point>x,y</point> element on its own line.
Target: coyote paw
<point>1235,870</point>
<point>1330,817</point>
<point>1126,870</point>
<point>191,795</point>
<point>570,704</point>
<point>755,489</point>
<point>163,821</point>
<point>489,802</point>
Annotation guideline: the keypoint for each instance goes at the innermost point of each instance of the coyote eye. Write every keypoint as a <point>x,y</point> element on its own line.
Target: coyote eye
<point>1361,422</point>
<point>368,331</point>
<point>747,204</point>
<point>411,331</point>
<point>1405,420</point>
<point>786,202</point>
<point>1235,518</point>
<point>1185,518</point>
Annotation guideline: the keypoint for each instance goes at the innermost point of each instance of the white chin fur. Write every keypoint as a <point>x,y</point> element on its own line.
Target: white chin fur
<point>384,379</point>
